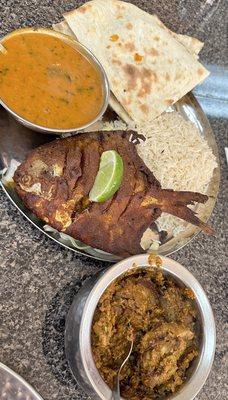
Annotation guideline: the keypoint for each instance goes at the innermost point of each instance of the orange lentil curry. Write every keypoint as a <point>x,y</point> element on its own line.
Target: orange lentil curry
<point>48,82</point>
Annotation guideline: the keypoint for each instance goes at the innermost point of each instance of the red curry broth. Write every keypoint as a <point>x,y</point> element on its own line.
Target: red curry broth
<point>48,82</point>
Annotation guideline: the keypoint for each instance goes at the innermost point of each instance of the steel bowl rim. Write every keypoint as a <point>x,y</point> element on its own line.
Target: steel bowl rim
<point>21,381</point>
<point>92,58</point>
<point>205,361</point>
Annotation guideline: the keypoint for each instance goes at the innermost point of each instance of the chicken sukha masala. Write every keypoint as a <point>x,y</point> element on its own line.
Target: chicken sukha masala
<point>55,180</point>
<point>161,316</point>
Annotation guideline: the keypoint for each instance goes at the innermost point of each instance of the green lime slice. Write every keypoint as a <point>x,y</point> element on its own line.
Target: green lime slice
<point>109,177</point>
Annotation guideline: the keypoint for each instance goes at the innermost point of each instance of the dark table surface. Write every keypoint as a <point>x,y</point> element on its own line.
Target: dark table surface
<point>39,278</point>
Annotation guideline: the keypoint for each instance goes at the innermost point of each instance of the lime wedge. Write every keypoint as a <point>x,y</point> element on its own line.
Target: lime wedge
<point>109,177</point>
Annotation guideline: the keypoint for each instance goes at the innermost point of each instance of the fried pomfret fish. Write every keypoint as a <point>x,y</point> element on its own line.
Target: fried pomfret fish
<point>55,180</point>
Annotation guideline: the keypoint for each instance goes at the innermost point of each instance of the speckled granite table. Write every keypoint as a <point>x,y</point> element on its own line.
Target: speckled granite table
<point>39,278</point>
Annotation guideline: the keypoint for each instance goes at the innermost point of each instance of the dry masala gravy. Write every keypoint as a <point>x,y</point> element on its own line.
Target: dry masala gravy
<point>48,82</point>
<point>161,316</point>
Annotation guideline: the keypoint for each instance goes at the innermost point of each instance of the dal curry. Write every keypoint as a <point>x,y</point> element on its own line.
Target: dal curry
<point>48,82</point>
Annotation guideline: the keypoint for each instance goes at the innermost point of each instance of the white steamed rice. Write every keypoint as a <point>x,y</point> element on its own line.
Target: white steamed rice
<point>179,157</point>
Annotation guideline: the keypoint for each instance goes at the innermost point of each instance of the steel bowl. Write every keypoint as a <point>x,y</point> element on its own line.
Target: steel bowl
<point>80,317</point>
<point>83,50</point>
<point>14,387</point>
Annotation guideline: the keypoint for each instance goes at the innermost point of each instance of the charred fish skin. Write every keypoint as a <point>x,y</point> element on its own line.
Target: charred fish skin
<point>55,180</point>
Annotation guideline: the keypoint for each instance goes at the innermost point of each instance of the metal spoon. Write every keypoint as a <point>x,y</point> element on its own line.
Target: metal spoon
<point>116,390</point>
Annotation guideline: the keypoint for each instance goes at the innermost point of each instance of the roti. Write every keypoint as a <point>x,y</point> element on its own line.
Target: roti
<point>149,68</point>
<point>192,44</point>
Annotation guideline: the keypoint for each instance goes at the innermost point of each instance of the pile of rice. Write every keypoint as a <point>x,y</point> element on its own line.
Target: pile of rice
<point>178,156</point>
